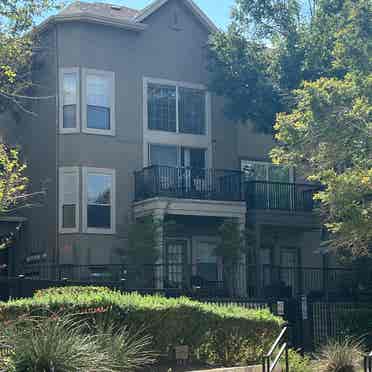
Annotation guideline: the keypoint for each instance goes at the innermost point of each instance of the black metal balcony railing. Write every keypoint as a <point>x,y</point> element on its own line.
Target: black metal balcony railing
<point>280,196</point>
<point>188,183</point>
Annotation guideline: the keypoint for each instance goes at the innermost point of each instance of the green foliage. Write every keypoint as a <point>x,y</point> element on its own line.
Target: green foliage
<point>298,363</point>
<point>230,249</point>
<point>238,71</point>
<point>54,344</point>
<point>209,330</point>
<point>358,323</point>
<point>344,355</point>
<point>129,349</point>
<point>328,137</point>
<point>13,183</point>
<point>17,48</point>
<point>143,237</point>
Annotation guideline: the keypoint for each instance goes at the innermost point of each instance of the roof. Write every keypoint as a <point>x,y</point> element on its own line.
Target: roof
<point>118,15</point>
<point>100,9</point>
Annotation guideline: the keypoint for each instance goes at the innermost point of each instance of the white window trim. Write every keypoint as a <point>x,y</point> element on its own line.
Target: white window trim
<point>62,71</point>
<point>177,85</point>
<point>106,172</point>
<point>153,136</point>
<point>268,164</point>
<point>111,76</point>
<point>62,172</point>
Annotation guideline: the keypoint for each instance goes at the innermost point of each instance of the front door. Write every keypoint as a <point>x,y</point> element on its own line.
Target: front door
<point>176,264</point>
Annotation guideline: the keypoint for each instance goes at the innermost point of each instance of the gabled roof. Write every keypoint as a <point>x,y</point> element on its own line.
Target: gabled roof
<point>120,16</point>
<point>203,18</point>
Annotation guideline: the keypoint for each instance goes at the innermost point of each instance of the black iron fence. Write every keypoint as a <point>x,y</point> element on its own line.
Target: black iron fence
<point>280,196</point>
<point>204,279</point>
<point>291,281</point>
<point>188,183</point>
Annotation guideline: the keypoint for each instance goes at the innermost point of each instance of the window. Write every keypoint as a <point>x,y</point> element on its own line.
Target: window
<point>68,200</point>
<point>98,197</point>
<point>99,102</point>
<point>265,171</point>
<point>69,118</point>
<point>162,108</point>
<point>192,111</point>
<point>176,107</point>
<point>176,156</point>
<point>164,155</point>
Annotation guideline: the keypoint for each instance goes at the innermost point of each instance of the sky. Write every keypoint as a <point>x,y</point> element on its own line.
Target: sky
<point>217,10</point>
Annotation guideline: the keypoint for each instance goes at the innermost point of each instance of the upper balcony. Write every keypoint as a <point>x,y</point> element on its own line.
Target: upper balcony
<point>189,183</point>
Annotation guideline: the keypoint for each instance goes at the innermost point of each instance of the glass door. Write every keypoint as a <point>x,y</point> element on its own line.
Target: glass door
<point>176,264</point>
<point>193,162</point>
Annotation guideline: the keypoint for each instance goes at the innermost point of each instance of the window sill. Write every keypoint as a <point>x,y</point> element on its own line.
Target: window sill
<point>101,132</point>
<point>96,231</point>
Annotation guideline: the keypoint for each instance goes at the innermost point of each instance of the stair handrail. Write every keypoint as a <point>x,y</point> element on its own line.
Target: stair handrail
<point>267,365</point>
<point>368,362</point>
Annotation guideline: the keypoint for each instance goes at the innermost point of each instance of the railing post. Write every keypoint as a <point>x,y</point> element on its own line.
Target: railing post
<point>286,359</point>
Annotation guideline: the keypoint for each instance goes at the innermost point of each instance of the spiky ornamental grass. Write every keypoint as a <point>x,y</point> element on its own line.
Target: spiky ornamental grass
<point>55,344</point>
<point>340,355</point>
<point>130,349</point>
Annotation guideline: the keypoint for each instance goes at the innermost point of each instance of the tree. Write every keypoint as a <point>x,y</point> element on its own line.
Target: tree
<point>230,249</point>
<point>18,45</point>
<point>272,46</point>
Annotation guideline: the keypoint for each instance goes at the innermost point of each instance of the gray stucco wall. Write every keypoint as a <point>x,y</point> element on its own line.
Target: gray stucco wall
<point>158,52</point>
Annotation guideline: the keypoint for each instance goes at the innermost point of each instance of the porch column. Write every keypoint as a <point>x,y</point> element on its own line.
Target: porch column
<point>242,272</point>
<point>159,216</point>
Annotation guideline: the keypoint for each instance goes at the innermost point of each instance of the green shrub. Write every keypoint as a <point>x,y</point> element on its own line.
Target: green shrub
<point>344,355</point>
<point>358,323</point>
<point>298,363</point>
<point>213,333</point>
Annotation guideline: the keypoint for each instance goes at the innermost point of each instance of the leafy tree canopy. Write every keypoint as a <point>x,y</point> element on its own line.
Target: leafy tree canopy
<point>316,59</point>
<point>18,44</point>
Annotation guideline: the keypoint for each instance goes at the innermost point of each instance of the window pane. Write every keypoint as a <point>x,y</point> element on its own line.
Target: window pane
<point>99,189</point>
<point>69,100</point>
<point>192,111</point>
<point>99,216</point>
<point>98,117</point>
<point>164,155</point>
<point>68,216</point>
<point>69,116</point>
<point>69,88</point>
<point>162,108</point>
<point>98,90</point>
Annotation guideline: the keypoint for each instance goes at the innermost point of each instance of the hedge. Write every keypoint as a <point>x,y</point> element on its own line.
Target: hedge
<point>218,335</point>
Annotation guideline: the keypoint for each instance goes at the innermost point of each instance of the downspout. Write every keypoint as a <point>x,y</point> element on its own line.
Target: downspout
<point>57,251</point>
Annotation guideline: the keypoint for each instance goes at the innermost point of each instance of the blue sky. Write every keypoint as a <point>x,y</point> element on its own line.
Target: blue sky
<point>217,10</point>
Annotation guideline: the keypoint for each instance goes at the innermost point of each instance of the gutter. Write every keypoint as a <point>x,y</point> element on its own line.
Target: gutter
<point>89,18</point>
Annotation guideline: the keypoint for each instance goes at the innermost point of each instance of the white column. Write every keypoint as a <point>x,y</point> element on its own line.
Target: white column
<point>160,269</point>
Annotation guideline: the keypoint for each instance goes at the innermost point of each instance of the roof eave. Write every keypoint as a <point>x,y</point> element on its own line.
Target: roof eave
<point>86,17</point>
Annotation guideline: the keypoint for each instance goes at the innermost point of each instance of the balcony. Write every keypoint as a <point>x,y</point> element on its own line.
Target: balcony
<point>262,195</point>
<point>188,183</point>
